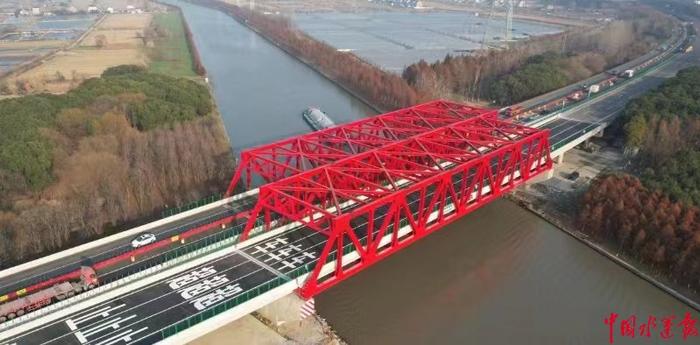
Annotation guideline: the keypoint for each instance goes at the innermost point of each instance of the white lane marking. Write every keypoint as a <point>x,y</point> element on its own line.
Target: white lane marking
<point>104,312</point>
<point>265,247</point>
<point>80,337</point>
<point>78,319</point>
<point>263,265</point>
<point>239,279</point>
<point>114,324</point>
<point>125,337</point>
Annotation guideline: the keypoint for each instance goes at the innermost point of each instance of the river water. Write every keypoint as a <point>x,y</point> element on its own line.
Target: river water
<point>261,91</point>
<point>498,276</point>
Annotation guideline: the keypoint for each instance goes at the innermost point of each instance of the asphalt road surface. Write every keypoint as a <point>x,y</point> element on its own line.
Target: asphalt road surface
<point>606,107</point>
<point>139,316</point>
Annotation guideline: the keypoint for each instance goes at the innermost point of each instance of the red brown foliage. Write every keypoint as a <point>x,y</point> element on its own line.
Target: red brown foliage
<point>645,224</point>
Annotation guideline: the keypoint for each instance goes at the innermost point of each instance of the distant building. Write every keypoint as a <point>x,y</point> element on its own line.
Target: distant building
<point>110,10</point>
<point>92,9</point>
<point>421,6</point>
<point>529,4</point>
<point>36,11</point>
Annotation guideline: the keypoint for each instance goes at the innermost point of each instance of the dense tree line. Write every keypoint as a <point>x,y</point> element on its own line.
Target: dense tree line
<point>678,177</point>
<point>197,65</point>
<point>677,99</point>
<point>148,100</point>
<point>581,53</point>
<point>116,149</point>
<point>539,75</point>
<point>662,130</point>
<point>645,224</point>
<point>655,217</point>
<point>382,89</point>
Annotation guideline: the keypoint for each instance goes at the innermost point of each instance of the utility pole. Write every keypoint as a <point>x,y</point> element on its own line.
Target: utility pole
<point>510,5</point>
<point>488,24</point>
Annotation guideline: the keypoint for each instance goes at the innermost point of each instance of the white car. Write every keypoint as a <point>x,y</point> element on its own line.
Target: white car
<point>143,240</point>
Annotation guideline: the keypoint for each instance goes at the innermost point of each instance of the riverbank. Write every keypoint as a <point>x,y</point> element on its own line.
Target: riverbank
<point>556,201</point>
<point>174,52</point>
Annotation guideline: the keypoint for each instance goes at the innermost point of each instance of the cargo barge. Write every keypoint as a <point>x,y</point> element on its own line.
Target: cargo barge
<point>317,119</point>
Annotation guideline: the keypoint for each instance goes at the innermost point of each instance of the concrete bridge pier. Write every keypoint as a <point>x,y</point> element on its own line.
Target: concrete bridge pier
<point>599,134</point>
<point>559,159</point>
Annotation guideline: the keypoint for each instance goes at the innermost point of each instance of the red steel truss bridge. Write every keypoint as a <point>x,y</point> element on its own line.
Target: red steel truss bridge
<point>415,169</point>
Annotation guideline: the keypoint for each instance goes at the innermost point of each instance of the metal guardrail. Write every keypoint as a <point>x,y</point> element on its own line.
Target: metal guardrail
<point>191,205</point>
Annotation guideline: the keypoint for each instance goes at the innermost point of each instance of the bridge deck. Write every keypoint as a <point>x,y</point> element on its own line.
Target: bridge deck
<point>147,315</point>
<point>564,131</point>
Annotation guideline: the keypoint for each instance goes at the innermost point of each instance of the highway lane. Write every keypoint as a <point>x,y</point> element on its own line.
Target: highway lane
<point>563,130</point>
<point>139,316</point>
<point>42,272</point>
<point>542,99</point>
<point>606,107</point>
<point>170,300</point>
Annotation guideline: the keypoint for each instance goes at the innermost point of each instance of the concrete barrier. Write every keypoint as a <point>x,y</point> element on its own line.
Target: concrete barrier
<point>119,236</point>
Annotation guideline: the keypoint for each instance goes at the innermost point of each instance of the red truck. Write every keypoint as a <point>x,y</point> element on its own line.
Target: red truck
<point>20,306</point>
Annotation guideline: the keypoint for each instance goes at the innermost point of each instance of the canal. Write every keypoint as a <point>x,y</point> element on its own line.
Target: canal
<point>261,91</point>
<point>499,276</point>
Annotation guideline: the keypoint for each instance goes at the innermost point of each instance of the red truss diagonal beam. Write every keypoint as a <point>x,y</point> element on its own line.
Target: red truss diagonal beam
<point>285,158</point>
<point>378,201</point>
